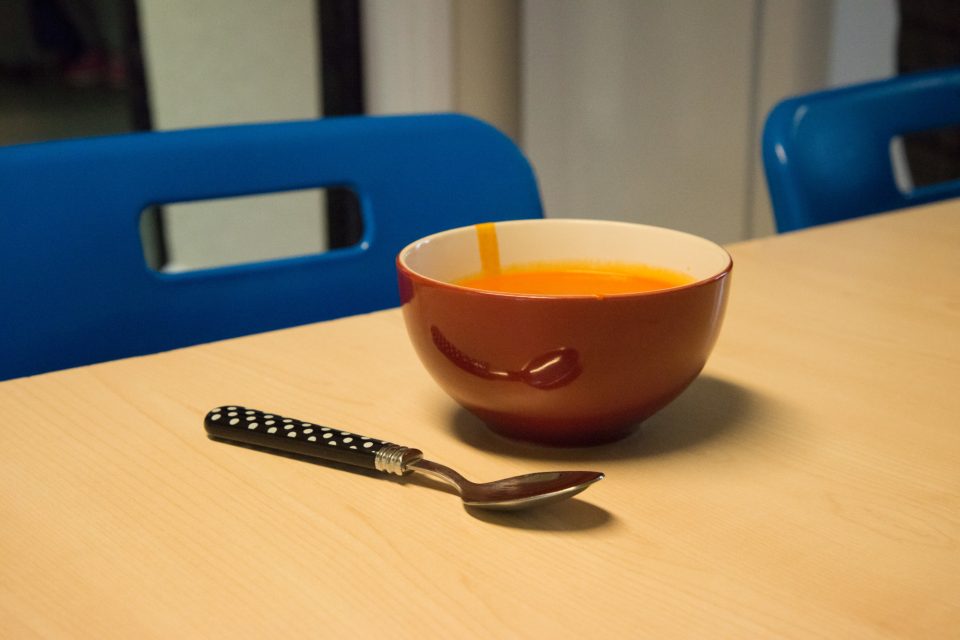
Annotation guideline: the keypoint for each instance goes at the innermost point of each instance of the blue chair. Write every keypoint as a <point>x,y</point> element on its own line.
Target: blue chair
<point>827,154</point>
<point>75,286</point>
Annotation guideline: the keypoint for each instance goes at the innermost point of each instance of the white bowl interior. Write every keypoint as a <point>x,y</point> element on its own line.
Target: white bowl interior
<point>450,255</point>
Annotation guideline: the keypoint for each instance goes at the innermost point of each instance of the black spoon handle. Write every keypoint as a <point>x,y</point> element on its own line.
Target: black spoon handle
<point>234,423</point>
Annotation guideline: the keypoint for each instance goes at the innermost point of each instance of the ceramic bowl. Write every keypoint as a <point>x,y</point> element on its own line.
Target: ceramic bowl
<point>563,370</point>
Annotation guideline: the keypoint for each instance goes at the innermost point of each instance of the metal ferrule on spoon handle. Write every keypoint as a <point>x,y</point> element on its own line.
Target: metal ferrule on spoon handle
<point>234,423</point>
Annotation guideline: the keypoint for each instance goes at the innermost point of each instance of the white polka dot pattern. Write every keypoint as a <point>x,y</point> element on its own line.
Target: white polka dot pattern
<point>266,430</point>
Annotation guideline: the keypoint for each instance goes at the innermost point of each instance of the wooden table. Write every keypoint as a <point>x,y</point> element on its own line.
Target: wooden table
<point>807,485</point>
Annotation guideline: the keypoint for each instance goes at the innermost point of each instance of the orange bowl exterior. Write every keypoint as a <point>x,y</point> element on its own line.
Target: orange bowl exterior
<point>616,360</point>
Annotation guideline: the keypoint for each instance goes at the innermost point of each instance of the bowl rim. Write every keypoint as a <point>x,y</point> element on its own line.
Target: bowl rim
<point>406,270</point>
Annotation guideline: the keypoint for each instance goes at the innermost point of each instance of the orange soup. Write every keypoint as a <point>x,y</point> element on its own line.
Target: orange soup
<point>576,278</point>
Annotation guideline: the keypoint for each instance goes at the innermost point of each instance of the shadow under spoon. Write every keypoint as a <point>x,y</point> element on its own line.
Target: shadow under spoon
<point>234,423</point>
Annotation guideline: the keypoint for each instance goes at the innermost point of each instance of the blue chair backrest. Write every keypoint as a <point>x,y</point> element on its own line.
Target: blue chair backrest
<point>76,289</point>
<point>827,154</point>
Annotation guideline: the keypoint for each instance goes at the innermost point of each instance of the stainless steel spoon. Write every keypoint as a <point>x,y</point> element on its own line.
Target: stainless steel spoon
<point>234,423</point>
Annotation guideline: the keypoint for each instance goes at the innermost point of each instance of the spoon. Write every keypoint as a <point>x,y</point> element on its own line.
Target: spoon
<point>270,431</point>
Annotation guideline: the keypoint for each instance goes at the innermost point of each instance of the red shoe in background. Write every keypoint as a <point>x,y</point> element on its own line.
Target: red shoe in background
<point>86,71</point>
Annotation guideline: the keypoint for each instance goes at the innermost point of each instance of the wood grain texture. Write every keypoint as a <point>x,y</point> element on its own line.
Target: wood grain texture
<point>807,485</point>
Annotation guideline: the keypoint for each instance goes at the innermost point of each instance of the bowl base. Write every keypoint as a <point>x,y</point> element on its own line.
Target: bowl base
<point>565,438</point>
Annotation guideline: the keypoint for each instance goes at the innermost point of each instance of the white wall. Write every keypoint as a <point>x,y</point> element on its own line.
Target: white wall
<point>223,61</point>
<point>443,55</point>
<point>862,41</point>
<point>792,57</point>
<point>640,111</point>
<point>408,55</point>
<point>652,111</point>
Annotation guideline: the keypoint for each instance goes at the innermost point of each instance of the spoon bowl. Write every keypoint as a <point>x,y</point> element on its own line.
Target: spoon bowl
<point>517,492</point>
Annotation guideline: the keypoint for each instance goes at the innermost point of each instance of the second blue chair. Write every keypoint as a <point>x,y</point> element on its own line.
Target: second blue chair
<point>827,155</point>
<point>76,288</point>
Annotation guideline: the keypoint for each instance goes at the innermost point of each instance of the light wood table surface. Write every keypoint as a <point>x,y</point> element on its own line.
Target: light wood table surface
<point>807,485</point>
